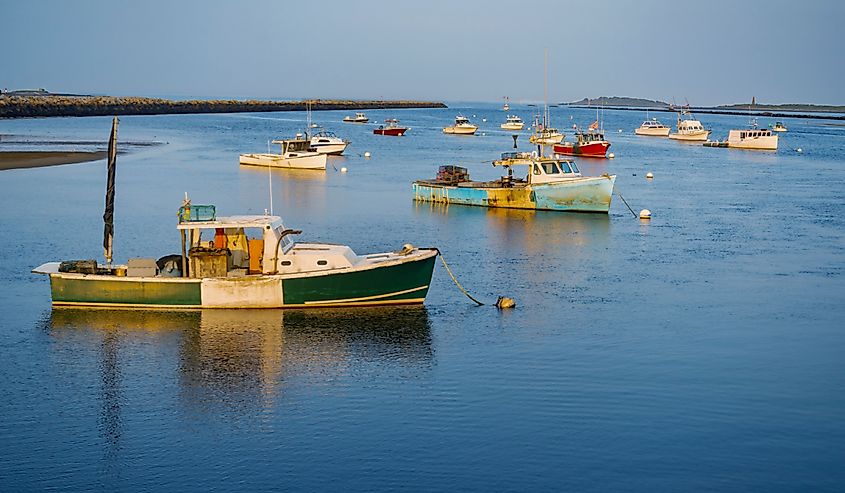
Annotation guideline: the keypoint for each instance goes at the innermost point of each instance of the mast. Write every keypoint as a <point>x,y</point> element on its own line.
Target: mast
<point>546,119</point>
<point>108,215</point>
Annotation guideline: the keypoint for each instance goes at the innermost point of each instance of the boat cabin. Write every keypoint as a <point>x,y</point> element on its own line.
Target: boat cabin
<point>238,246</point>
<point>588,137</point>
<point>514,119</point>
<point>748,134</point>
<point>324,137</point>
<point>294,145</point>
<point>541,169</point>
<point>462,120</point>
<point>690,126</point>
<point>653,123</point>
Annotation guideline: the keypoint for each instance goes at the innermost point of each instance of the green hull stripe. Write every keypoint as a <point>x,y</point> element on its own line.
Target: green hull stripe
<point>85,290</point>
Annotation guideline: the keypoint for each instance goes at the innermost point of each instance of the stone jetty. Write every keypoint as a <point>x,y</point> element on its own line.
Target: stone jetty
<point>17,106</point>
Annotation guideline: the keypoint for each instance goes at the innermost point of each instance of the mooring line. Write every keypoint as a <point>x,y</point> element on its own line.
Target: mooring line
<point>443,259</point>
<point>626,204</point>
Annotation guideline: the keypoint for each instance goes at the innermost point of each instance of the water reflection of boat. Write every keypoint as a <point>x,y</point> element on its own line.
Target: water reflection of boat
<point>244,357</point>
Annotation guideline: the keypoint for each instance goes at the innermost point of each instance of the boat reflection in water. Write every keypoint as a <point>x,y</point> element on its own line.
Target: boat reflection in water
<point>243,359</point>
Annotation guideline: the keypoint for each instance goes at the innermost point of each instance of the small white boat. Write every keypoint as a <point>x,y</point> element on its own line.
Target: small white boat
<point>506,106</point>
<point>295,154</point>
<point>544,134</point>
<point>653,128</point>
<point>328,143</point>
<point>778,127</point>
<point>358,118</point>
<point>689,129</point>
<point>462,126</point>
<point>513,122</point>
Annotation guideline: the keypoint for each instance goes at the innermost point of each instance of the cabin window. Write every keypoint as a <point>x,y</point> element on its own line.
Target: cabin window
<point>574,167</point>
<point>536,169</point>
<point>322,262</point>
<point>564,167</point>
<point>549,168</point>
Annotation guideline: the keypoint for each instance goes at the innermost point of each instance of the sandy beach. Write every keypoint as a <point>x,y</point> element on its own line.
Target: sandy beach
<point>37,159</point>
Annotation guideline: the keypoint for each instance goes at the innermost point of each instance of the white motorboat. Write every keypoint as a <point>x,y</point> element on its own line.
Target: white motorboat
<point>295,154</point>
<point>513,122</point>
<point>358,118</point>
<point>689,129</point>
<point>326,142</point>
<point>462,126</point>
<point>653,128</point>
<point>778,127</point>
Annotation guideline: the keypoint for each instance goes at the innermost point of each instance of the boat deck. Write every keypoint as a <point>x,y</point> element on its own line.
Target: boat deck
<point>500,183</point>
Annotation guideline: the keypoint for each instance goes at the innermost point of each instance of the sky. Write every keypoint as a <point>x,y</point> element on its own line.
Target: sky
<point>706,52</point>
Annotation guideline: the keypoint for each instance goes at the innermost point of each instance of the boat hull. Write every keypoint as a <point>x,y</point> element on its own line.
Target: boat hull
<point>468,130</point>
<point>330,149</point>
<point>692,136</point>
<point>548,139</point>
<point>593,149</point>
<point>586,194</point>
<point>653,132</point>
<point>315,161</point>
<point>396,132</point>
<point>400,282</point>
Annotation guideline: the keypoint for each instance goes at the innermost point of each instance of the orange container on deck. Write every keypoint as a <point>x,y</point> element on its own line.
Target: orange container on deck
<point>256,251</point>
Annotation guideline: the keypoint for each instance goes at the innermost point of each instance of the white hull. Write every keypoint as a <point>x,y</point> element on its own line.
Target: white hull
<point>769,143</point>
<point>548,139</point>
<point>330,149</point>
<point>460,129</point>
<point>654,132</point>
<point>700,135</point>
<point>315,161</point>
<point>512,126</point>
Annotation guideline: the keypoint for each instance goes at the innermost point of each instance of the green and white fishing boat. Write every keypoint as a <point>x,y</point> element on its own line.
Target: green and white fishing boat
<point>241,262</point>
<point>233,269</point>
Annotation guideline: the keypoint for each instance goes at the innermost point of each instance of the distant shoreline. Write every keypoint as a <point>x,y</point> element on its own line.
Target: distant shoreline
<point>37,159</point>
<point>39,106</point>
<point>714,111</point>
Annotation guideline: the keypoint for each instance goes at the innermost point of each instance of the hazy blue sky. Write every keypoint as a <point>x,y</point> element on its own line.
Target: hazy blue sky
<point>708,51</point>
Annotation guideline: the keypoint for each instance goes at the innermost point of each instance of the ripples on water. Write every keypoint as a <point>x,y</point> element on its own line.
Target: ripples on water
<point>702,350</point>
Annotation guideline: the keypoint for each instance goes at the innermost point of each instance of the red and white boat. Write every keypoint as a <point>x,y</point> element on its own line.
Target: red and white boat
<point>391,127</point>
<point>588,144</point>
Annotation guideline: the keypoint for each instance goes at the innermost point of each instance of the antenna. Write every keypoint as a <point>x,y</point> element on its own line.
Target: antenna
<point>270,178</point>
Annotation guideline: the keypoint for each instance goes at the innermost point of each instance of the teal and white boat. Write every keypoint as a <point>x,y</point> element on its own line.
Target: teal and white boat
<point>551,184</point>
<point>242,262</point>
<point>245,262</point>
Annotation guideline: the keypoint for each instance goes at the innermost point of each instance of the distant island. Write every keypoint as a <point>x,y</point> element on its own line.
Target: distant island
<point>792,110</point>
<point>619,101</point>
<point>40,103</point>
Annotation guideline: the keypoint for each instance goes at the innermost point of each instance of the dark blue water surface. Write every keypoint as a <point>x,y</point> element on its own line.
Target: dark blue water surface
<point>703,350</point>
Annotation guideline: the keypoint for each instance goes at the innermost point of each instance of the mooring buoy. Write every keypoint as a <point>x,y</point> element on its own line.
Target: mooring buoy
<point>645,214</point>
<point>649,175</point>
<point>367,154</point>
<point>343,169</point>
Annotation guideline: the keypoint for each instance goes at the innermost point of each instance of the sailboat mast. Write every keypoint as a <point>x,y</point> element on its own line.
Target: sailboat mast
<point>546,118</point>
<point>108,215</point>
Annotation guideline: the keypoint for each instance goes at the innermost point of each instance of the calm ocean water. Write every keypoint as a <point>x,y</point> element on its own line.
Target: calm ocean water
<point>700,351</point>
